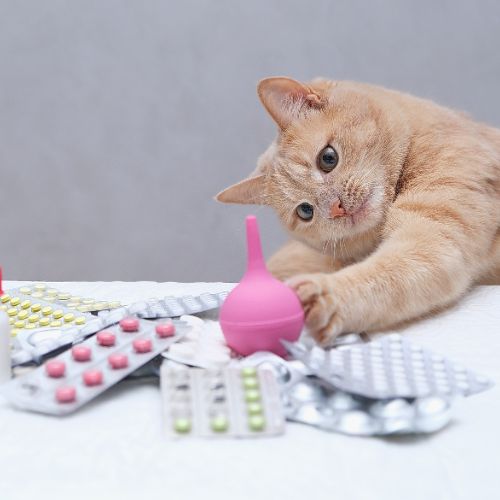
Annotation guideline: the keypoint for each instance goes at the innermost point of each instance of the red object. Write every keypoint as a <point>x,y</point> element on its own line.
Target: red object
<point>55,369</point>
<point>66,394</point>
<point>165,330</point>
<point>106,338</point>
<point>81,353</point>
<point>92,377</point>
<point>129,324</point>
<point>142,345</point>
<point>117,361</point>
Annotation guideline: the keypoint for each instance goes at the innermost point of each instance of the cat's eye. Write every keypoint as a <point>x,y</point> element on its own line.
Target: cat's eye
<point>305,211</point>
<point>327,159</point>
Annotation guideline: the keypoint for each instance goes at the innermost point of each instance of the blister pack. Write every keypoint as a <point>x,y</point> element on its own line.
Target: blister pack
<point>232,402</point>
<point>170,307</point>
<point>389,367</point>
<point>64,383</point>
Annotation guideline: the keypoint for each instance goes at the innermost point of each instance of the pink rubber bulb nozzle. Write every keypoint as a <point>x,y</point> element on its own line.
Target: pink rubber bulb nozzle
<point>260,311</point>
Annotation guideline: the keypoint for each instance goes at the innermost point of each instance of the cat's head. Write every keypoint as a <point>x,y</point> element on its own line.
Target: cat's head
<point>331,172</point>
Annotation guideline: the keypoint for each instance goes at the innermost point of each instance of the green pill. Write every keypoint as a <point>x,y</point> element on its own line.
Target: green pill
<point>182,425</point>
<point>256,423</point>
<point>248,371</point>
<point>250,383</point>
<point>219,424</point>
<point>252,395</point>
<point>254,408</point>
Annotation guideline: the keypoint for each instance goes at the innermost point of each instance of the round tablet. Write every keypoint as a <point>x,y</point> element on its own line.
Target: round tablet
<point>219,423</point>
<point>248,371</point>
<point>66,394</point>
<point>254,408</point>
<point>30,326</point>
<point>256,423</point>
<point>57,314</point>
<point>252,395</point>
<point>51,292</point>
<point>33,318</point>
<point>36,308</point>
<point>25,289</point>
<point>40,286</point>
<point>56,323</point>
<point>106,338</point>
<point>129,324</point>
<point>64,296</point>
<point>37,295</point>
<point>48,298</point>
<point>81,353</point>
<point>5,298</point>
<point>118,361</point>
<point>12,311</point>
<point>15,301</point>
<point>92,377</point>
<point>3,307</point>
<point>25,304</point>
<point>55,368</point>
<point>47,310</point>
<point>82,308</point>
<point>68,318</point>
<point>250,383</point>
<point>23,314</point>
<point>19,324</point>
<point>80,320</point>
<point>72,305</point>
<point>165,329</point>
<point>142,345</point>
<point>114,305</point>
<point>182,425</point>
<point>44,321</point>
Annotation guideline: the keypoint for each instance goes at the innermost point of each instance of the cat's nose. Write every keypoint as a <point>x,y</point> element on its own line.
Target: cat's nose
<point>336,209</point>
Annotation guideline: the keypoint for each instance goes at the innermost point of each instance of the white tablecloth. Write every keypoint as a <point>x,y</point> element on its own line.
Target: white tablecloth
<point>115,447</point>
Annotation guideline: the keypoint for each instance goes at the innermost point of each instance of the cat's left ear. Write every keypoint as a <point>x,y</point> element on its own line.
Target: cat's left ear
<point>285,99</point>
<point>247,192</point>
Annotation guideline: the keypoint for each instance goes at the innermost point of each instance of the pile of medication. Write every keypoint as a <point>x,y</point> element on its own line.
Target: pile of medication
<point>231,402</point>
<point>64,383</point>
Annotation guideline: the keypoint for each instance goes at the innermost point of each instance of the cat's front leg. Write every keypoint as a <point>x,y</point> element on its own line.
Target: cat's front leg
<point>425,262</point>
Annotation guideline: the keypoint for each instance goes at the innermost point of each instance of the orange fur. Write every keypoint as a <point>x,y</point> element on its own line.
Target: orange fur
<point>420,184</point>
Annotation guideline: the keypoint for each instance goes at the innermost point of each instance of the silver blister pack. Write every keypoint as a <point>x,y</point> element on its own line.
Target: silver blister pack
<point>389,367</point>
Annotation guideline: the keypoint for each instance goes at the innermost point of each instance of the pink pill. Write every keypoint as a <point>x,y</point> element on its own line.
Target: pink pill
<point>142,345</point>
<point>92,377</point>
<point>66,394</point>
<point>106,338</point>
<point>117,361</point>
<point>129,324</point>
<point>165,330</point>
<point>81,353</point>
<point>55,368</point>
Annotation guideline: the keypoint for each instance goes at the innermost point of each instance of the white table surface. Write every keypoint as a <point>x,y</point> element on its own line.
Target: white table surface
<point>115,448</point>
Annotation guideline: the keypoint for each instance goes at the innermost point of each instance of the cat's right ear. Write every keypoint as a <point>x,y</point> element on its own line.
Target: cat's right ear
<point>285,99</point>
<point>247,192</point>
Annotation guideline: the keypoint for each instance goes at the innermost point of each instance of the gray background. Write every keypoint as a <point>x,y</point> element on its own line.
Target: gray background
<point>119,120</point>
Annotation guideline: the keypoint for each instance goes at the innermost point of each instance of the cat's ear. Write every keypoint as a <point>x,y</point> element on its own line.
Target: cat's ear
<point>285,99</point>
<point>247,192</point>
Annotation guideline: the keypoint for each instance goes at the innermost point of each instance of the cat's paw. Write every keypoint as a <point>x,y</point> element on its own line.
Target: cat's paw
<point>322,306</point>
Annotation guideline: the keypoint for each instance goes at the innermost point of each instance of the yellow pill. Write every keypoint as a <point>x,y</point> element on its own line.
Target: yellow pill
<point>76,299</point>
<point>33,318</point>
<point>12,312</point>
<point>3,307</point>
<point>82,308</point>
<point>114,305</point>
<point>25,304</point>
<point>30,326</point>
<point>88,301</point>
<point>36,308</point>
<point>64,296</point>
<point>57,314</point>
<point>37,295</point>
<point>15,301</point>
<point>100,305</point>
<point>19,324</point>
<point>12,321</point>
<point>47,310</point>
<point>15,331</point>
<point>23,314</point>
<point>5,298</point>
<point>72,305</point>
<point>68,318</point>
<point>80,320</point>
<point>51,292</point>
<point>40,286</point>
<point>26,290</point>
<point>44,321</point>
<point>56,323</point>
<point>49,299</point>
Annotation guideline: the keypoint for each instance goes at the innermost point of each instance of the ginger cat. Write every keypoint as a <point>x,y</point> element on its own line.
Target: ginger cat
<point>392,201</point>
